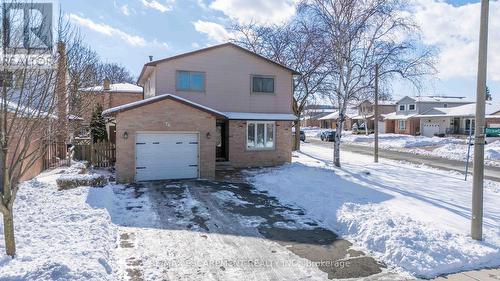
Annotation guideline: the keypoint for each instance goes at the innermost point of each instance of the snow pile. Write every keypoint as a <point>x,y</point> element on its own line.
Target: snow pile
<point>230,197</point>
<point>400,141</point>
<point>58,234</point>
<point>313,132</point>
<point>421,249</point>
<point>415,219</point>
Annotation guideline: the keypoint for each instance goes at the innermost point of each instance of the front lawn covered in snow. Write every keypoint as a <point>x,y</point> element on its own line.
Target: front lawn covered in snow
<point>59,236</point>
<point>414,218</point>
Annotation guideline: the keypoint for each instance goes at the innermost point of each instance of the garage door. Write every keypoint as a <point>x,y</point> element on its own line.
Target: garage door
<point>166,156</point>
<point>430,129</point>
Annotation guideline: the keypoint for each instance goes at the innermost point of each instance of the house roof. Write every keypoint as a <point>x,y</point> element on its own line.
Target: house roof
<point>463,110</point>
<point>350,112</point>
<point>259,116</point>
<point>156,62</point>
<point>439,99</point>
<point>115,88</point>
<point>136,104</point>
<point>225,115</point>
<point>394,116</point>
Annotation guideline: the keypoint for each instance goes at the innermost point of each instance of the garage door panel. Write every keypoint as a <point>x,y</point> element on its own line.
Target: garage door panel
<point>166,156</point>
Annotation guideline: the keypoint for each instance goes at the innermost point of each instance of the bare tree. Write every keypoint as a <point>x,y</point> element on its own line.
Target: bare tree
<point>295,45</point>
<point>116,73</point>
<point>360,34</point>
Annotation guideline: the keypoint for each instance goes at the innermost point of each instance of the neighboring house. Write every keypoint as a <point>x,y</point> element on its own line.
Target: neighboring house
<point>108,96</point>
<point>313,112</point>
<point>330,121</point>
<point>405,120</point>
<point>366,113</point>
<point>222,103</point>
<point>458,120</point>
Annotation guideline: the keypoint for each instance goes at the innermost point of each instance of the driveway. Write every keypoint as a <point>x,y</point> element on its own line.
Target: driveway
<point>218,230</point>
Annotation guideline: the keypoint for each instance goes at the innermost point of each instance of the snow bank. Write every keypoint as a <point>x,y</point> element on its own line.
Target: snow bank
<point>58,234</point>
<point>400,141</point>
<point>411,218</point>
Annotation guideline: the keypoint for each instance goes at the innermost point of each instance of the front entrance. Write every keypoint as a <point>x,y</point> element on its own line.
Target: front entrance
<point>221,151</point>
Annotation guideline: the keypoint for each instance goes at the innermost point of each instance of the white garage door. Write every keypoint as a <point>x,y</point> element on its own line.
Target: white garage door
<point>381,127</point>
<point>166,156</point>
<point>430,129</point>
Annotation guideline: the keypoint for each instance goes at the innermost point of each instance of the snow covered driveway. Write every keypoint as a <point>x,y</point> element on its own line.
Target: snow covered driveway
<point>414,218</point>
<point>205,230</point>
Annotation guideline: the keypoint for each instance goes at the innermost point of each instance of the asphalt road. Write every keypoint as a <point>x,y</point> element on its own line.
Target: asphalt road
<point>491,173</point>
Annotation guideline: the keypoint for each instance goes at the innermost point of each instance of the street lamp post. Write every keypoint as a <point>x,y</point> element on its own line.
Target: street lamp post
<point>478,177</point>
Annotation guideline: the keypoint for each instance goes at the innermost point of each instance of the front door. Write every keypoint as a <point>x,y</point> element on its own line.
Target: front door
<point>221,141</point>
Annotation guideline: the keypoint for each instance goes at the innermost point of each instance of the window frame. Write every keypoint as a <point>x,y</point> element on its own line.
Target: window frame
<point>399,125</point>
<point>265,123</point>
<point>401,105</point>
<point>262,76</point>
<point>414,107</point>
<point>177,88</point>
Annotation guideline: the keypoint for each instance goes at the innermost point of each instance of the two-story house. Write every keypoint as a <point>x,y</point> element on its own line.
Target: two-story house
<point>222,103</point>
<point>366,114</point>
<point>406,120</point>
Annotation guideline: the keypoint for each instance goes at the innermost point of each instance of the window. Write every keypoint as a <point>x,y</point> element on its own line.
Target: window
<point>262,84</point>
<point>260,135</point>
<point>411,107</point>
<point>401,107</point>
<point>190,81</point>
<point>6,78</point>
<point>445,105</point>
<point>402,124</point>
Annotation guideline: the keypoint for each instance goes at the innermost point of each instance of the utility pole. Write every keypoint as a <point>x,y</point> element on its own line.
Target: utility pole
<point>375,121</point>
<point>478,177</point>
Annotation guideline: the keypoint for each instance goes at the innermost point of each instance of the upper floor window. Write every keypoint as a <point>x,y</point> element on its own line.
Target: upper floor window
<point>190,81</point>
<point>411,107</point>
<point>401,107</point>
<point>445,105</point>
<point>262,84</point>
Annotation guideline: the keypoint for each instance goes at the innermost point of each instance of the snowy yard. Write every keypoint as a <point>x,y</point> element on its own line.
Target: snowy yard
<point>414,218</point>
<point>449,148</point>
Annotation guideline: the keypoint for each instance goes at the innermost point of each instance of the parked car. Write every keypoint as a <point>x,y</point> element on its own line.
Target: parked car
<point>302,136</point>
<point>328,135</point>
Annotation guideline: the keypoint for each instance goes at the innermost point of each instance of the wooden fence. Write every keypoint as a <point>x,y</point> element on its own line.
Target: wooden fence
<point>99,154</point>
<point>55,155</point>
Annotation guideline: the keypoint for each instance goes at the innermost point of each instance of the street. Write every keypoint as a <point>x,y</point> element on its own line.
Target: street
<point>490,172</point>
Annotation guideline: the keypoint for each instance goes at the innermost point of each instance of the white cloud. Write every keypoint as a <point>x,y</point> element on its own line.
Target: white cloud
<point>154,4</point>
<point>213,30</point>
<point>260,11</point>
<point>455,31</point>
<point>125,10</point>
<point>107,30</point>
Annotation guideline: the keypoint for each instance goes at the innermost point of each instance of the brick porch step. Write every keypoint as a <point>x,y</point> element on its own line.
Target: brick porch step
<point>224,166</point>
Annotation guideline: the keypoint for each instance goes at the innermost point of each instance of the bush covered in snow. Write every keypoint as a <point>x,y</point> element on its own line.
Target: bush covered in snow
<point>76,180</point>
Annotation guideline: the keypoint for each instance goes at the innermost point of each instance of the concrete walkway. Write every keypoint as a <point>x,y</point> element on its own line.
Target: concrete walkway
<point>475,275</point>
<point>491,173</point>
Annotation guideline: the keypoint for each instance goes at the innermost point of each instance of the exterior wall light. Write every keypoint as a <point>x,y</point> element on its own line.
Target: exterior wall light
<point>125,135</point>
<point>209,135</point>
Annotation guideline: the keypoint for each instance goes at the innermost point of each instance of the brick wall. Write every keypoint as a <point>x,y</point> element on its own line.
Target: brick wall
<point>107,100</point>
<point>153,117</point>
<point>239,156</point>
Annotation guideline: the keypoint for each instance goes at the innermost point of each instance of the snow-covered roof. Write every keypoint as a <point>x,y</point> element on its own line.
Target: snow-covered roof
<point>463,110</point>
<point>228,115</point>
<point>387,102</point>
<point>350,112</point>
<point>439,99</point>
<point>115,88</point>
<point>362,117</point>
<point>394,116</point>
<point>260,116</point>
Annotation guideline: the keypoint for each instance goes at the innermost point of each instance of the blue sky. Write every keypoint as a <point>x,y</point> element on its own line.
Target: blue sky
<point>129,31</point>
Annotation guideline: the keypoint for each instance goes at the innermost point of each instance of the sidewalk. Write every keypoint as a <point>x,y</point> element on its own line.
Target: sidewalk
<point>475,275</point>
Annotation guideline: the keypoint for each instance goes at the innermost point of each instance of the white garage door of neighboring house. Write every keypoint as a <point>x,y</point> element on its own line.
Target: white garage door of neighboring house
<point>430,129</point>
<point>381,127</point>
<point>166,156</point>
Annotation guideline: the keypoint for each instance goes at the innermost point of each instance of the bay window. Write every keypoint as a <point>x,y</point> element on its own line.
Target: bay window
<point>260,135</point>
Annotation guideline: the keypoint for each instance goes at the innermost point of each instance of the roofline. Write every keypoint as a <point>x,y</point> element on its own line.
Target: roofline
<point>156,62</point>
<point>140,103</point>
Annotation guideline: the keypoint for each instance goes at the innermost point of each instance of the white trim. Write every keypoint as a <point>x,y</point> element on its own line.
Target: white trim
<point>259,116</point>
<point>414,107</point>
<point>256,123</point>
<point>399,107</point>
<point>399,124</point>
